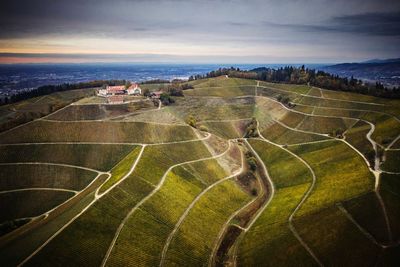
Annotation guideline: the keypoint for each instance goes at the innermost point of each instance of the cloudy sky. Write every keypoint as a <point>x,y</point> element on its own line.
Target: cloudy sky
<point>199,31</point>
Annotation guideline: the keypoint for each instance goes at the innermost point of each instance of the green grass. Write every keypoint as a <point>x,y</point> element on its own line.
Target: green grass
<point>222,91</point>
<point>387,128</point>
<point>34,176</point>
<point>270,242</point>
<point>24,204</point>
<point>341,174</point>
<point>145,233</point>
<point>356,136</point>
<point>121,169</point>
<point>315,92</point>
<point>221,82</point>
<point>99,157</point>
<point>213,108</point>
<point>338,112</point>
<point>227,129</point>
<point>87,239</point>
<point>263,244</point>
<point>292,119</point>
<point>353,97</point>
<point>300,89</point>
<point>113,132</point>
<point>285,168</point>
<point>195,239</point>
<point>324,125</point>
<point>24,111</point>
<point>281,135</point>
<point>304,109</point>
<point>331,103</point>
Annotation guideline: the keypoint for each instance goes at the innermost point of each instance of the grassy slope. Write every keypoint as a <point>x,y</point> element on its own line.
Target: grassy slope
<point>270,235</point>
<point>193,242</point>
<point>28,176</point>
<point>113,132</point>
<point>24,111</point>
<point>97,112</point>
<point>146,231</point>
<point>99,157</point>
<point>281,135</point>
<point>341,174</point>
<point>29,203</point>
<point>88,238</point>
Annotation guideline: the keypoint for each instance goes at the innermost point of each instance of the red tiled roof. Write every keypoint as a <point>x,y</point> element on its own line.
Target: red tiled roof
<point>133,86</point>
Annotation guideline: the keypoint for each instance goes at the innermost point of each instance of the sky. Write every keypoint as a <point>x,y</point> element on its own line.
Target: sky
<point>198,31</point>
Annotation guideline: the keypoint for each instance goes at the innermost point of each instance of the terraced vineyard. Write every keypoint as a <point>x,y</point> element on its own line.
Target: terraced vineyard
<point>255,183</point>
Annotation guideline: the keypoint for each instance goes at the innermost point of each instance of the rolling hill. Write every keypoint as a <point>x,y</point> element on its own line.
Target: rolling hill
<point>253,182</point>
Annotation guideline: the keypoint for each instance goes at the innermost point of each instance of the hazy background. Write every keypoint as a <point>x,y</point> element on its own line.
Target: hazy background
<point>199,31</point>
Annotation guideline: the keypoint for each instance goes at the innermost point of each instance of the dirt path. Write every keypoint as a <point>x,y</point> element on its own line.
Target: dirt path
<point>189,208</point>
<point>305,197</point>
<point>208,135</point>
<point>99,195</point>
<point>155,190</point>
<point>224,228</point>
<point>327,98</point>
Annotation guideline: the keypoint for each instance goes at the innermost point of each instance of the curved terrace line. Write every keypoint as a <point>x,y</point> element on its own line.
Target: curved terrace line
<point>155,190</point>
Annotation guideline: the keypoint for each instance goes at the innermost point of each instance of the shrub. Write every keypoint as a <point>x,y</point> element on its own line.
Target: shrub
<point>252,163</point>
<point>191,120</point>
<point>203,128</point>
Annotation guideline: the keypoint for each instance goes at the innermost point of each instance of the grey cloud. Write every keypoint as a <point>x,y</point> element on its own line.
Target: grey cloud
<point>374,24</point>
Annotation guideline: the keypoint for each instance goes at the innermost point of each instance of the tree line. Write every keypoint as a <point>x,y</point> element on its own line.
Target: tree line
<point>48,89</point>
<point>302,75</point>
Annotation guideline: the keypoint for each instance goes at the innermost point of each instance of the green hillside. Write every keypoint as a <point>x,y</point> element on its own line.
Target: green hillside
<point>235,172</point>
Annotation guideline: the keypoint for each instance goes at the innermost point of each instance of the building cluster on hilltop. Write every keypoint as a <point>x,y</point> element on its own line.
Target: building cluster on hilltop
<point>115,94</point>
<point>133,89</point>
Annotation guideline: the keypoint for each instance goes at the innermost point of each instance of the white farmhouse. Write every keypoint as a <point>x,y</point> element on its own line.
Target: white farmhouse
<point>134,89</point>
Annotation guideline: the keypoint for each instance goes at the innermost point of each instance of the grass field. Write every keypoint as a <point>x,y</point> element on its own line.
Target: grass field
<point>220,82</point>
<point>324,125</point>
<point>387,128</point>
<point>222,91</point>
<point>262,244</point>
<point>327,205</point>
<point>100,157</point>
<point>21,112</point>
<point>282,135</point>
<point>341,174</point>
<point>113,132</point>
<point>34,176</point>
<point>194,241</point>
<point>99,112</point>
<point>121,169</point>
<point>356,136</point>
<point>147,230</point>
<point>91,234</point>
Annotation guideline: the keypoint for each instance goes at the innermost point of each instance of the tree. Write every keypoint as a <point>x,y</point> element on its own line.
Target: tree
<point>252,163</point>
<point>146,92</point>
<point>191,120</point>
